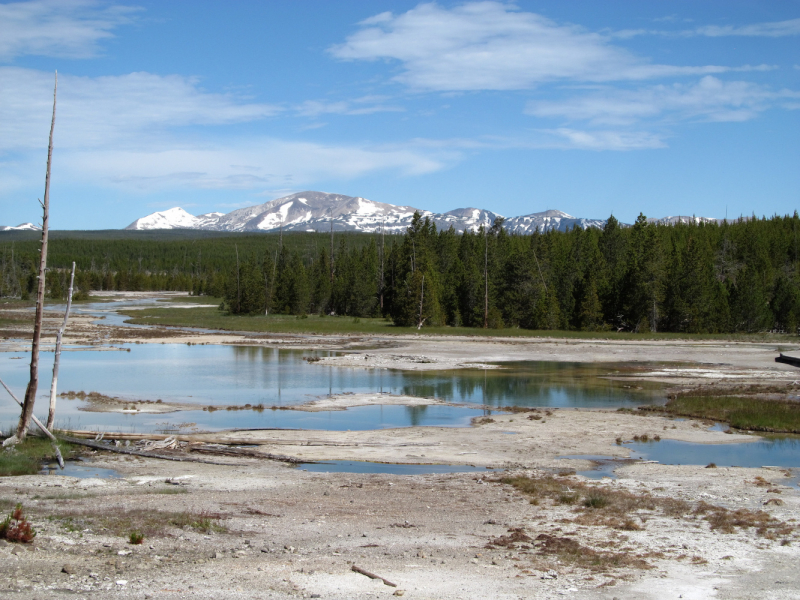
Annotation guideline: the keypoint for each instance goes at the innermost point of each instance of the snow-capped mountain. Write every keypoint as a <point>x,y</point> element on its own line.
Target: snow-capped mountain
<point>21,227</point>
<point>316,211</point>
<point>547,220</point>
<point>175,218</point>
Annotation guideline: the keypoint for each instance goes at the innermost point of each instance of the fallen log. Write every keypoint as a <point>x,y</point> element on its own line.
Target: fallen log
<point>788,360</point>
<point>99,446</point>
<point>250,454</point>
<point>372,576</point>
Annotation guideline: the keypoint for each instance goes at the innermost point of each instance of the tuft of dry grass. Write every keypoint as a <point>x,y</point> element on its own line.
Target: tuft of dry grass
<point>619,509</point>
<point>728,521</point>
<point>570,551</point>
<point>148,523</point>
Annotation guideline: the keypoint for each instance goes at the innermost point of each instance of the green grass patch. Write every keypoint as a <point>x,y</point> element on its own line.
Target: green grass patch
<point>755,414</point>
<point>27,458</point>
<point>214,318</point>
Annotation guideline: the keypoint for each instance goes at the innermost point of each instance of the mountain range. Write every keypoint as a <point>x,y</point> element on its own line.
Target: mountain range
<point>319,211</point>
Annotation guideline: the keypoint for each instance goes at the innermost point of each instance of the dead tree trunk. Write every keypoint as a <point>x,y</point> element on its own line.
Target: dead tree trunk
<point>421,320</point>
<point>51,416</point>
<point>382,256</point>
<point>238,291</point>
<point>485,279</point>
<point>33,383</point>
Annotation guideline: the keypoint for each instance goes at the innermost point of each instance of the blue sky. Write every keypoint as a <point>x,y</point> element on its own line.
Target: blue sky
<point>592,108</point>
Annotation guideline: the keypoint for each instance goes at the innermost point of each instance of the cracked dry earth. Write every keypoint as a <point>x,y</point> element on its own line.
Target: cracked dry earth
<point>260,529</point>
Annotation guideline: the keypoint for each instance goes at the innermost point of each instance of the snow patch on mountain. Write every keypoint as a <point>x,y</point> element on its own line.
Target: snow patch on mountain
<point>21,227</point>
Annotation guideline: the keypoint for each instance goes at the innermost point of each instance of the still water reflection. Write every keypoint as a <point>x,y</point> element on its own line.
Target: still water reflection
<point>239,375</point>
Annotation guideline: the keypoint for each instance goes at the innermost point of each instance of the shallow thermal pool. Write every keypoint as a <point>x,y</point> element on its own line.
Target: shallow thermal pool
<point>773,451</point>
<point>238,375</point>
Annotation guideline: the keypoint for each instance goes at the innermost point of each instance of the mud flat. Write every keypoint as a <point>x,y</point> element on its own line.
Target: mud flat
<point>258,528</point>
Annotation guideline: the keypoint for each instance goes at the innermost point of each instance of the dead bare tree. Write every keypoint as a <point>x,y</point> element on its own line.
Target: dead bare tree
<point>33,383</point>
<point>51,416</point>
<point>238,290</point>
<point>421,320</point>
<point>485,278</point>
<point>382,255</point>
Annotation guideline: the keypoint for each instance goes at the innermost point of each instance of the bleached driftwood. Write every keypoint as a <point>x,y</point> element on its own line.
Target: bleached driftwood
<point>51,416</point>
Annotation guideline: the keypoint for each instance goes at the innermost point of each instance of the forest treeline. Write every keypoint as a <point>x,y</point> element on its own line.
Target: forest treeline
<point>741,276</point>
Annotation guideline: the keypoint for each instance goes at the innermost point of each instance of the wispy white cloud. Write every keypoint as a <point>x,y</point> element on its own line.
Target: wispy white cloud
<point>567,138</point>
<point>365,105</point>
<point>124,109</point>
<point>710,99</point>
<point>563,138</point>
<point>772,29</point>
<point>253,164</point>
<point>492,46</point>
<point>149,132</point>
<point>63,28</point>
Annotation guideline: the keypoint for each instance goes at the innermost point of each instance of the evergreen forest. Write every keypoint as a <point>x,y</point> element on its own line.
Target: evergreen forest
<point>739,276</point>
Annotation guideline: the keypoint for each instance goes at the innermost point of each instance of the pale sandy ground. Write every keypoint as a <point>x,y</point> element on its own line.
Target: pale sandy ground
<point>295,534</point>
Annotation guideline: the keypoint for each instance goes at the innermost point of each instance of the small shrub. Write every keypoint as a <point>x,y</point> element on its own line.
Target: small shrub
<point>595,500</point>
<point>135,538</point>
<point>568,498</point>
<point>16,528</point>
<point>711,465</point>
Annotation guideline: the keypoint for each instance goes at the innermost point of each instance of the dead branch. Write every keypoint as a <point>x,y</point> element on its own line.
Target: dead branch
<point>372,576</point>
<point>51,416</point>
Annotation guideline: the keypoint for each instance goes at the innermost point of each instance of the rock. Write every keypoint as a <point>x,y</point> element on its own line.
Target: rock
<point>68,569</point>
<point>3,543</point>
<point>551,574</point>
<point>399,593</point>
<point>121,582</point>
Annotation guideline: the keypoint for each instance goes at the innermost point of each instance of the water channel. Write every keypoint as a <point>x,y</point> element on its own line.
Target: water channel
<point>236,376</point>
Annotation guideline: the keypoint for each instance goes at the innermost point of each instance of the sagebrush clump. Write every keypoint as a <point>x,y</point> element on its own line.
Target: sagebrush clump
<point>16,528</point>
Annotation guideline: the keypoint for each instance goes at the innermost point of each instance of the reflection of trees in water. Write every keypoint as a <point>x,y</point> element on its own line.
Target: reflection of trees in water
<point>531,385</point>
<point>789,442</point>
<point>416,414</point>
